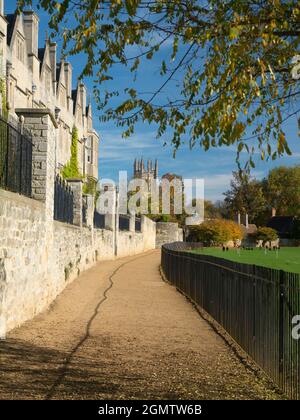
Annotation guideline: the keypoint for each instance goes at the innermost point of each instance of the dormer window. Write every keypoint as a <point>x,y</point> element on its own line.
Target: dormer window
<point>20,49</point>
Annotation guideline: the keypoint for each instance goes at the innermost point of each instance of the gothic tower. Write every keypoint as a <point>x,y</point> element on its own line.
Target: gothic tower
<point>140,171</point>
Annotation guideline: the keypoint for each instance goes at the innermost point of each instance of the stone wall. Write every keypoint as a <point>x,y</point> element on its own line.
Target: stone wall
<point>167,233</point>
<point>23,259</point>
<point>39,257</point>
<point>149,233</point>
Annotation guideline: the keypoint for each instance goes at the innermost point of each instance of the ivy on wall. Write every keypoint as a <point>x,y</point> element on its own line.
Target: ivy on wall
<point>90,187</point>
<point>71,169</point>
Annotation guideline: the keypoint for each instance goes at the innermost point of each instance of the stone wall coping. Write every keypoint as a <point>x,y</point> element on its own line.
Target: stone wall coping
<point>21,199</point>
<point>67,225</point>
<point>36,112</point>
<point>171,224</point>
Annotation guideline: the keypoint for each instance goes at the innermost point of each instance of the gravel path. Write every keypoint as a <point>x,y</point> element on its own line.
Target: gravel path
<point>120,332</point>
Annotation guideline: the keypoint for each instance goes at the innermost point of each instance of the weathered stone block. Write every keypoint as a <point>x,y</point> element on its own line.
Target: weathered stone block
<point>42,147</point>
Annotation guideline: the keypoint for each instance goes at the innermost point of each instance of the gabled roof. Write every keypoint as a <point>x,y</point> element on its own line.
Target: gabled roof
<point>60,73</point>
<point>58,70</point>
<point>11,19</point>
<point>44,57</point>
<point>41,54</point>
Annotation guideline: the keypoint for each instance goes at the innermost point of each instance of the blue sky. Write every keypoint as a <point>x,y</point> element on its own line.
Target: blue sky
<point>115,153</point>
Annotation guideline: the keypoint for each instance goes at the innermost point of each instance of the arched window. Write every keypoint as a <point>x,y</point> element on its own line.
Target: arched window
<point>89,149</point>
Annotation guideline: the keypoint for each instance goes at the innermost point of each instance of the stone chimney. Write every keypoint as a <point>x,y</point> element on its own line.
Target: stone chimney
<point>68,78</point>
<point>52,49</point>
<point>247,221</point>
<point>83,96</point>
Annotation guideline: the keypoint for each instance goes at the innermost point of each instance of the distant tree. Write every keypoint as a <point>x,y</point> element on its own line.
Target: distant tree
<point>211,211</point>
<point>222,209</point>
<point>245,196</point>
<point>282,190</point>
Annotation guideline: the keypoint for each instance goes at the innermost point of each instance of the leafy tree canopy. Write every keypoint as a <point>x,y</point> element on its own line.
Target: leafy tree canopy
<point>232,62</point>
<point>282,190</point>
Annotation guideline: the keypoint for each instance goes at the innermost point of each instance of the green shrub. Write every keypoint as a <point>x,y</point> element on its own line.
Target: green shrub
<point>266,234</point>
<point>90,187</point>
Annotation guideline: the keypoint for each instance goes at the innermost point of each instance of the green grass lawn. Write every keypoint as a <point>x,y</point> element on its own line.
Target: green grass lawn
<point>288,259</point>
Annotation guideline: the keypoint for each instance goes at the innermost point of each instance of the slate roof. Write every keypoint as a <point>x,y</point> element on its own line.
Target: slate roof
<point>11,19</point>
<point>284,225</point>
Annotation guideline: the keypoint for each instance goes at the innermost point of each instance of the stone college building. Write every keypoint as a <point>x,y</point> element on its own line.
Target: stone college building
<point>32,77</point>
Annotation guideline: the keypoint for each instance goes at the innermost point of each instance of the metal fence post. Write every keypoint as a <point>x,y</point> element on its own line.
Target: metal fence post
<point>281,321</point>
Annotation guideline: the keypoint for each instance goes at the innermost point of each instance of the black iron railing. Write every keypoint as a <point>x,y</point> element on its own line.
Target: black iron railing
<point>257,306</point>
<point>124,222</point>
<point>138,225</point>
<point>99,220</point>
<point>15,159</point>
<point>63,201</point>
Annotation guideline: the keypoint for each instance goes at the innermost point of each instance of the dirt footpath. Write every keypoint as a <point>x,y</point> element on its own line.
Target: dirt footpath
<point>120,332</point>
